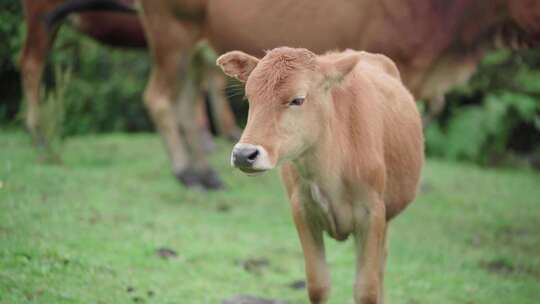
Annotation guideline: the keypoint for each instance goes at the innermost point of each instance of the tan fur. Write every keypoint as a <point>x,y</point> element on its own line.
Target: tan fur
<point>351,153</point>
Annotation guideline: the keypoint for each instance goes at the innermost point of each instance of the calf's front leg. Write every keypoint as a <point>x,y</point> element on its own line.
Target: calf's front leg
<point>371,254</point>
<point>311,239</point>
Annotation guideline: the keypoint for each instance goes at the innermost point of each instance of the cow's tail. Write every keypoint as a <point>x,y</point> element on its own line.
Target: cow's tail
<point>54,17</point>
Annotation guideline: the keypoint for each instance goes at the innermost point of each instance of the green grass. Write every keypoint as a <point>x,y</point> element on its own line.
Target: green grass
<point>88,231</point>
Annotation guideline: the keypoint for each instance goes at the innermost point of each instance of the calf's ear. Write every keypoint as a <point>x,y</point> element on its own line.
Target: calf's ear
<point>336,69</point>
<point>237,64</point>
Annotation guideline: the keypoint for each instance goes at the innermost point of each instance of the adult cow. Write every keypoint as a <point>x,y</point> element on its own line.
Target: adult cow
<point>435,43</point>
<point>113,23</point>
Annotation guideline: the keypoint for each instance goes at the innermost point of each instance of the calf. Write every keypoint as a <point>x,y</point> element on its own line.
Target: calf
<point>349,138</point>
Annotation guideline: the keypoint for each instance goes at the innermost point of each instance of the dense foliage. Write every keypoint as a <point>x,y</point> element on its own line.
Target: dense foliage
<point>497,112</point>
<point>11,33</point>
<point>106,84</point>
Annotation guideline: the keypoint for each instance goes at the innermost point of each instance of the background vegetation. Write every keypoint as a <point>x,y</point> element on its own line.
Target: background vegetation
<point>494,116</point>
<point>106,84</point>
<point>491,120</point>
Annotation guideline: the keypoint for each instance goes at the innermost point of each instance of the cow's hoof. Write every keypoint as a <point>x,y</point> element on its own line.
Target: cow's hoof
<point>210,180</point>
<point>205,180</point>
<point>189,178</point>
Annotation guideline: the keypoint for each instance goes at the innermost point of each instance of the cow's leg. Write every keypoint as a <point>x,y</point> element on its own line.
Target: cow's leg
<point>169,43</point>
<point>158,97</point>
<point>311,239</point>
<point>36,46</point>
<point>203,122</point>
<point>221,109</point>
<point>197,91</point>
<point>186,109</point>
<point>370,242</point>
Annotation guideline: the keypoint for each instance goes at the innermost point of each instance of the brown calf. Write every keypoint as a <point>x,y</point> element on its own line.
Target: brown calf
<point>349,138</point>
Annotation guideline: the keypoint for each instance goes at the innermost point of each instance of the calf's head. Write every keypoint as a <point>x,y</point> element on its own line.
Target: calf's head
<point>288,91</point>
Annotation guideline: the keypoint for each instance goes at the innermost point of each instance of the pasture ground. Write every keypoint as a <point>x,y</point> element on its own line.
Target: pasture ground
<point>111,225</point>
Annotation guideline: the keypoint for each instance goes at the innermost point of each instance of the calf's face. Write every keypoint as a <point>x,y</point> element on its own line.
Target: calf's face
<point>289,103</point>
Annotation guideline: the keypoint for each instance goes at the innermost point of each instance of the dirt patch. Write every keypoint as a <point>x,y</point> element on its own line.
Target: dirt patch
<point>299,284</point>
<point>166,253</point>
<point>506,267</point>
<point>244,299</point>
<point>499,266</point>
<point>223,208</point>
<point>254,265</point>
<point>138,297</point>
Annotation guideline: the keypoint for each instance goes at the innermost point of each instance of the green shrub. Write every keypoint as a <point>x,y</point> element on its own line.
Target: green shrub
<point>483,116</point>
<point>105,93</point>
<point>105,90</point>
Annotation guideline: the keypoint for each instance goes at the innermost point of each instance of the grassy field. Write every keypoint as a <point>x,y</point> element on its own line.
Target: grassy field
<point>112,226</point>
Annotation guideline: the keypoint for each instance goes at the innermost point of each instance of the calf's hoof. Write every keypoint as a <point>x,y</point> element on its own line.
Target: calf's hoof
<point>203,180</point>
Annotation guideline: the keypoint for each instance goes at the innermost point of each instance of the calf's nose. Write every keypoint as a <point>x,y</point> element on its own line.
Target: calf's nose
<point>244,155</point>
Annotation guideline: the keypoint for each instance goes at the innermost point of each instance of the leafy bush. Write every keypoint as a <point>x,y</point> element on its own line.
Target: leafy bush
<point>105,91</point>
<point>11,38</point>
<point>497,111</point>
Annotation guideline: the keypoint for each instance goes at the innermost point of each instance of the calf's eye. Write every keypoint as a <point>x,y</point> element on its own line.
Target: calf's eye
<point>298,101</point>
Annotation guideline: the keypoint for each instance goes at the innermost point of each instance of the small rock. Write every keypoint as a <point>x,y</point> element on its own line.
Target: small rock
<point>223,208</point>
